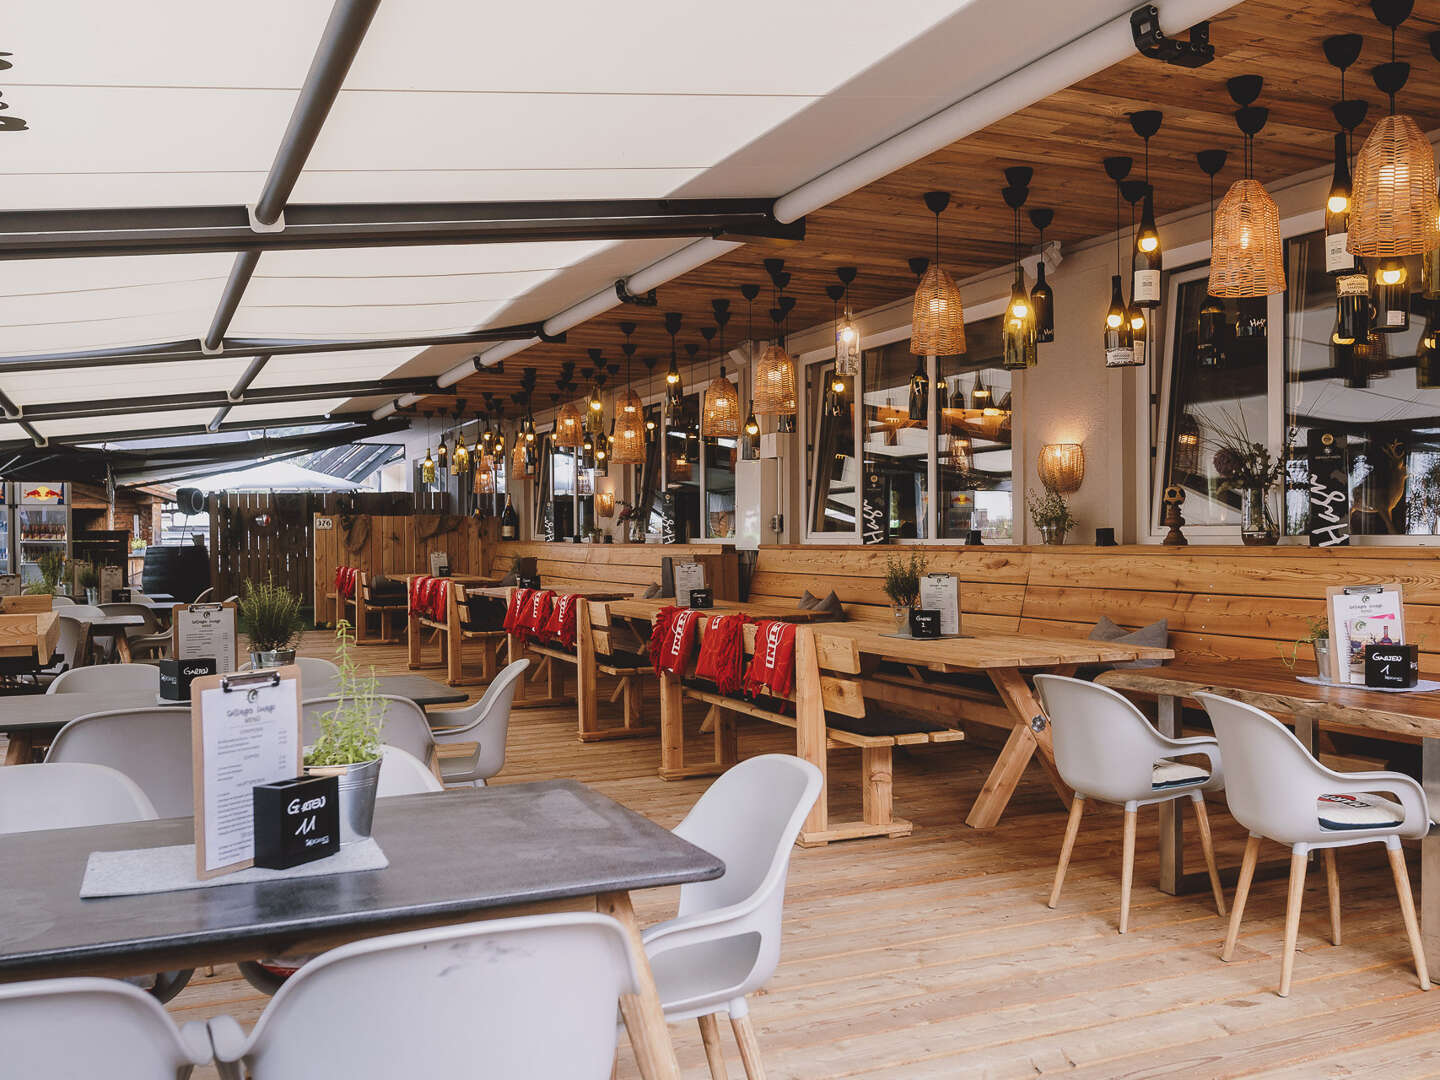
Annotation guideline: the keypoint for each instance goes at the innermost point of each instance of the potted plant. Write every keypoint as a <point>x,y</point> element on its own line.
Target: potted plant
<point>1246,468</point>
<point>347,745</point>
<point>902,585</point>
<point>87,580</point>
<point>1318,638</point>
<point>1051,516</point>
<point>52,571</point>
<point>272,615</point>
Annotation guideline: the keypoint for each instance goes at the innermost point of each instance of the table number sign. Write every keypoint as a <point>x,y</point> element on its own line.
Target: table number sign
<point>1329,490</point>
<point>1362,615</point>
<point>1392,667</point>
<point>688,575</point>
<point>177,675</point>
<point>296,821</point>
<point>924,623</point>
<point>245,730</point>
<point>941,592</point>
<point>201,630</point>
<point>702,599</point>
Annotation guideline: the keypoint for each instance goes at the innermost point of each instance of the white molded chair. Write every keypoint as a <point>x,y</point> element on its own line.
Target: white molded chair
<point>486,723</point>
<point>404,774</point>
<point>68,795</point>
<point>204,596</point>
<point>1278,791</point>
<point>61,1028</point>
<point>72,646</point>
<point>57,602</point>
<point>317,675</point>
<point>724,942</point>
<point>105,678</point>
<point>528,997</point>
<point>1106,749</point>
<point>146,640</point>
<point>404,723</point>
<point>150,746</point>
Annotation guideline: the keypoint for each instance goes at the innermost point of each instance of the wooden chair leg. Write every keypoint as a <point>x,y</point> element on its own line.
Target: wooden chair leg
<point>710,1036</point>
<point>749,1048</point>
<point>1332,884</point>
<point>1242,891</point>
<point>1299,863</point>
<point>1207,845</point>
<point>877,791</point>
<point>1127,869</point>
<point>1072,828</point>
<point>1407,912</point>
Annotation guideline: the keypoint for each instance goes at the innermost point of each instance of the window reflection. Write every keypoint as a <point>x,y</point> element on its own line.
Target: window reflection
<point>835,472</point>
<point>975,412</point>
<point>897,447</point>
<point>682,465</point>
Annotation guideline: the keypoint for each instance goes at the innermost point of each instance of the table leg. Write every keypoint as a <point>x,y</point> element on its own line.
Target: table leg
<point>1430,856</point>
<point>1172,825</point>
<point>644,1018</point>
<point>412,634</point>
<point>672,728</point>
<point>122,647</point>
<point>1024,741</point>
<point>20,749</point>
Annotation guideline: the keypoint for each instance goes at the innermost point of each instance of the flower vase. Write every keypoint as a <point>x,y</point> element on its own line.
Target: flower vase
<point>1053,534</point>
<point>901,612</point>
<point>1257,525</point>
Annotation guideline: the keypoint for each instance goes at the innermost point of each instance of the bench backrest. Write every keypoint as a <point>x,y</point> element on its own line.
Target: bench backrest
<point>624,568</point>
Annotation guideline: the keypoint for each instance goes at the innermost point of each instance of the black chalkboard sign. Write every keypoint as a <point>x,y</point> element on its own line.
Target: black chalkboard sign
<point>872,511</point>
<point>925,623</point>
<point>177,675</point>
<point>120,596</point>
<point>702,598</point>
<point>296,821</point>
<point>1329,489</point>
<point>1392,666</point>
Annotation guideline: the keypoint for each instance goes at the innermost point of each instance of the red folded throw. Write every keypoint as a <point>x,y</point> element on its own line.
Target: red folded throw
<point>519,604</point>
<point>672,638</point>
<point>772,669</point>
<point>722,650</point>
<point>560,626</point>
<point>345,579</point>
<point>427,596</point>
<point>536,612</point>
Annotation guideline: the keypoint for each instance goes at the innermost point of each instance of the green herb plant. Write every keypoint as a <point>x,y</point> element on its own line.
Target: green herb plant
<point>272,614</point>
<point>52,571</point>
<point>1318,630</point>
<point>902,578</point>
<point>87,576</point>
<point>350,732</point>
<point>1049,511</point>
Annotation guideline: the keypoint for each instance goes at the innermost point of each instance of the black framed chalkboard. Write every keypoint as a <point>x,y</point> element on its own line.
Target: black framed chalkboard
<point>1329,474</point>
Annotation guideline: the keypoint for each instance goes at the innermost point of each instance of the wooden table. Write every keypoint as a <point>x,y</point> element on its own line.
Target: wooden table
<point>645,610</point>
<point>32,718</point>
<point>114,627</point>
<point>455,857</point>
<point>1269,685</point>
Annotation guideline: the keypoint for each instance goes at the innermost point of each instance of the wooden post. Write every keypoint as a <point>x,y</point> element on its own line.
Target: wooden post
<point>586,707</point>
<point>672,728</point>
<point>412,631</point>
<point>361,629</point>
<point>454,656</point>
<point>877,791</point>
<point>810,724</point>
<point>644,1018</point>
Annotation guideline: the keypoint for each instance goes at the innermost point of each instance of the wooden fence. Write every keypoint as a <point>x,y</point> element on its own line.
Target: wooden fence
<point>258,535</point>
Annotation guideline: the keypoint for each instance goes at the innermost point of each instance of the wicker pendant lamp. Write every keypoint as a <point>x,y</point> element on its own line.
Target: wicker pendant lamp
<point>1393,209</point>
<point>721,415</point>
<point>937,324</point>
<point>628,447</point>
<point>1246,256</point>
<point>774,392</point>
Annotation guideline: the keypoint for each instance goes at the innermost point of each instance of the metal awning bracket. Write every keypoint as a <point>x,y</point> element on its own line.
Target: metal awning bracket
<point>256,225</point>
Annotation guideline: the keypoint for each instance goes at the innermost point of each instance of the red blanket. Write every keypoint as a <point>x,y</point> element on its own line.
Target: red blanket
<point>560,626</point>
<point>519,604</point>
<point>531,624</point>
<point>346,578</point>
<point>427,596</point>
<point>672,639</point>
<point>722,651</point>
<point>772,669</point>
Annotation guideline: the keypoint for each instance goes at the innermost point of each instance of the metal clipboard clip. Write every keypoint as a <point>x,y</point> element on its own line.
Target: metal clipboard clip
<point>207,607</point>
<point>1362,590</point>
<point>250,680</point>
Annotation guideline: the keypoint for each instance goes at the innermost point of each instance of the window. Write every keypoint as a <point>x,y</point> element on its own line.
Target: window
<point>830,422</point>
<point>973,439</point>
<point>897,444</point>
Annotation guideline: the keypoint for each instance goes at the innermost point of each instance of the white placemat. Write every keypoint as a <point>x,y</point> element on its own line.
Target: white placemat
<point>171,869</point>
<point>1424,686</point>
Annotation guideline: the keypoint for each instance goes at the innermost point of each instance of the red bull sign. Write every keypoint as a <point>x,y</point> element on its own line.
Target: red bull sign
<point>43,493</point>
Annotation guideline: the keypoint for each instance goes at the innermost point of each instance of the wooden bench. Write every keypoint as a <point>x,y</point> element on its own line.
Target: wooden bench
<point>453,632</point>
<point>830,698</point>
<point>365,605</point>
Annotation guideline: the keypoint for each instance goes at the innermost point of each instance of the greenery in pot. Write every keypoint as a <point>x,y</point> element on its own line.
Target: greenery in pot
<point>1318,631</point>
<point>86,576</point>
<point>902,578</point>
<point>1050,514</point>
<point>272,615</point>
<point>52,572</point>
<point>350,732</point>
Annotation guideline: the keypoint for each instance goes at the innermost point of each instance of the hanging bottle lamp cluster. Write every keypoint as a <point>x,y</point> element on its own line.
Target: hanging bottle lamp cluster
<point>1119,347</point>
<point>674,388</point>
<point>937,324</point>
<point>835,389</point>
<point>1146,256</point>
<point>1042,297</point>
<point>629,434</point>
<point>847,334</point>
<point>720,417</point>
<point>427,467</point>
<point>1246,257</point>
<point>1018,336</point>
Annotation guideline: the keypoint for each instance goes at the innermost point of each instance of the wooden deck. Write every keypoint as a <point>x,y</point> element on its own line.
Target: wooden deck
<point>935,955</point>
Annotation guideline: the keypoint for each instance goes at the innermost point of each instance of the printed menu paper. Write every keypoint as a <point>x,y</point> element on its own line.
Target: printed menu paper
<point>688,575</point>
<point>245,730</point>
<point>942,593</point>
<point>1362,615</point>
<point>201,630</point>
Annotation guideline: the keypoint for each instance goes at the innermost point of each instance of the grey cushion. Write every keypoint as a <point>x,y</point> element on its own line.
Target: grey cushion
<point>807,601</point>
<point>1156,635</point>
<point>652,592</point>
<point>512,578</point>
<point>830,606</point>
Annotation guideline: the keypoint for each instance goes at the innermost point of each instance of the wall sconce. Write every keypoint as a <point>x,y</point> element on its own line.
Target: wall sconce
<point>1061,466</point>
<point>604,503</point>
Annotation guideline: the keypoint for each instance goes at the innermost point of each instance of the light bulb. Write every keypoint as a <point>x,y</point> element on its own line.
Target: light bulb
<point>837,385</point>
<point>1019,309</point>
<point>649,425</point>
<point>847,333</point>
<point>1114,319</point>
<point>1149,243</point>
<point>1337,204</point>
<point>1391,273</point>
<point>1137,319</point>
<point>529,436</point>
<point>672,377</point>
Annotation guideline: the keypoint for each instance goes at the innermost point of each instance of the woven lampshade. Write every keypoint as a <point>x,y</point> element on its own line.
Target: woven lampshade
<point>629,445</point>
<point>1061,467</point>
<point>937,326</point>
<point>604,503</point>
<point>775,384</point>
<point>1246,256</point>
<point>485,475</point>
<point>520,463</point>
<point>1393,208</point>
<point>569,426</point>
<point>721,414</point>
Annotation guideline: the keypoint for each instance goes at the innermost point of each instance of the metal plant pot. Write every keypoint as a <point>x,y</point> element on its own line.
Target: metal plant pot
<point>1053,534</point>
<point>358,784</point>
<point>272,658</point>
<point>902,618</point>
<point>1322,657</point>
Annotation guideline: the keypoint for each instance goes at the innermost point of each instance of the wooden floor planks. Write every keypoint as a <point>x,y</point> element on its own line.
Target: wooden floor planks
<point>935,955</point>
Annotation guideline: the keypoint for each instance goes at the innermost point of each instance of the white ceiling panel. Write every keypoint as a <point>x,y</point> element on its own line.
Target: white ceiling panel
<point>359,366</point>
<point>116,381</point>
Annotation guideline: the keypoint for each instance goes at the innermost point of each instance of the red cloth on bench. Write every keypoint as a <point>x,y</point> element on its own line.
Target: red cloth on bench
<point>672,639</point>
<point>560,626</point>
<point>519,603</point>
<point>427,596</point>
<point>345,580</point>
<point>722,652</point>
<point>531,624</point>
<point>772,669</point>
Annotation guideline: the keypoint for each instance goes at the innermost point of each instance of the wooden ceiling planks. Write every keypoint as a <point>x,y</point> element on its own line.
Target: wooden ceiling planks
<point>1064,137</point>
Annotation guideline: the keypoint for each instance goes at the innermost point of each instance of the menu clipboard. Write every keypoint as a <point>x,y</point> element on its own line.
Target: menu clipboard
<point>688,575</point>
<point>244,730</point>
<point>202,630</point>
<point>941,592</point>
<point>1362,615</point>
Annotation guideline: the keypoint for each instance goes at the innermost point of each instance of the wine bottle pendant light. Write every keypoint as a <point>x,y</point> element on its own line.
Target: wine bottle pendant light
<point>427,467</point>
<point>847,334</point>
<point>674,388</point>
<point>1119,342</point>
<point>1042,296</point>
<point>834,395</point>
<point>1246,255</point>
<point>937,322</point>
<point>1018,335</point>
<point>1146,255</point>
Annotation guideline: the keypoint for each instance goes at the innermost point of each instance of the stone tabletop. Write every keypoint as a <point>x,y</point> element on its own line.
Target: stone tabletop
<point>452,854</point>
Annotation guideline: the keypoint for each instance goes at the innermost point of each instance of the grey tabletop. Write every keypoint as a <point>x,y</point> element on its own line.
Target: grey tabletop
<point>452,854</point>
<point>49,712</point>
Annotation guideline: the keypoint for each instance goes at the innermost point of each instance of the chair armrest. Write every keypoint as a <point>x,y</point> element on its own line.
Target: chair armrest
<point>229,1042</point>
<point>195,1042</point>
<point>466,722</point>
<point>1405,788</point>
<point>1198,744</point>
<point>701,927</point>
